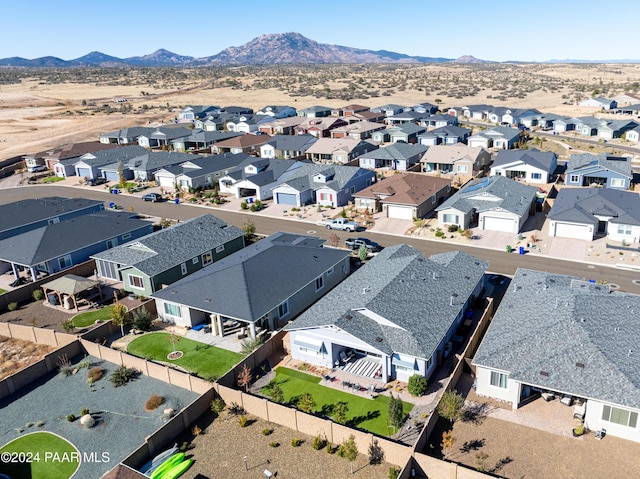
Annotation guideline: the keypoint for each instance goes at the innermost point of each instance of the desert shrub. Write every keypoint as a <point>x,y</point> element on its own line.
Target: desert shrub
<point>37,295</point>
<point>267,431</point>
<point>84,364</point>
<point>295,442</point>
<point>84,411</point>
<point>450,406</point>
<point>243,421</point>
<point>236,410</point>
<point>274,444</point>
<point>12,306</point>
<point>71,417</point>
<point>376,453</point>
<point>417,385</point>
<point>452,228</point>
<point>329,448</point>
<point>64,365</point>
<point>217,405</point>
<point>94,373</point>
<point>318,443</point>
<point>153,402</point>
<point>439,234</point>
<point>67,325</point>
<point>244,205</point>
<point>393,472</point>
<point>122,376</point>
<point>196,430</point>
<point>306,403</point>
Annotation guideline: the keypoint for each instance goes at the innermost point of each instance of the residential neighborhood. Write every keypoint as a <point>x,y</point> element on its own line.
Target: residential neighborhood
<point>220,230</point>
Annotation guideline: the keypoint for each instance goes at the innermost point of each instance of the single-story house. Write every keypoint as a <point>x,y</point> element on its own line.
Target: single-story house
<point>445,135</point>
<point>60,245</point>
<point>338,150</point>
<point>406,117</point>
<point>162,258</point>
<point>499,137</point>
<point>560,125</point>
<point>241,144</point>
<point>319,127</point>
<point>281,126</point>
<point>359,130</point>
<point>608,130</point>
<point>425,107</point>
<point>633,135</point>
<point>198,171</point>
<point>25,215</point>
<point>405,133</point>
<point>393,317</point>
<point>439,120</point>
<point>495,203</point>
<point>575,339</point>
<point>162,136</point>
<point>64,156</point>
<point>213,122</point>
<point>287,146</point>
<point>278,111</point>
<point>603,103</point>
<point>88,165</point>
<point>396,156</point>
<point>247,123</point>
<point>390,109</point>
<point>586,169</point>
<point>195,112</point>
<point>256,177</point>
<point>457,159</point>
<point>125,136</point>
<point>201,140</point>
<point>584,213</point>
<point>315,111</point>
<point>325,185</point>
<point>405,195</point>
<point>236,291</point>
<point>477,112</point>
<point>143,168</point>
<point>532,165</point>
<point>349,110</point>
<point>631,109</point>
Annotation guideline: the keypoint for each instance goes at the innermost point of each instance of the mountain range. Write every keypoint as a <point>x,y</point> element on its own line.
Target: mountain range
<point>279,48</point>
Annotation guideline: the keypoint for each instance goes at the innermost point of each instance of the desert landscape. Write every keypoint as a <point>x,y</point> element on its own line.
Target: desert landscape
<point>45,108</point>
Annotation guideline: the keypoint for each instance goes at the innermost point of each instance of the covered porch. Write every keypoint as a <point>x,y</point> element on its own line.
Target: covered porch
<point>71,291</point>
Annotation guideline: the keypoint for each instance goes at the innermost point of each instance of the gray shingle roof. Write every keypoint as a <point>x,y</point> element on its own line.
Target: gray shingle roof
<point>618,164</point>
<point>164,249</point>
<point>546,324</point>
<point>515,197</point>
<point>18,213</point>
<point>543,160</point>
<point>106,157</point>
<point>413,293</point>
<point>338,176</point>
<point>292,142</point>
<point>396,151</point>
<point>55,240</point>
<point>253,281</point>
<point>583,204</point>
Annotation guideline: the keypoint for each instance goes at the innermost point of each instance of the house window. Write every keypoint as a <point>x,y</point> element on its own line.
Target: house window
<point>65,262</point>
<point>353,189</point>
<point>136,281</point>
<point>53,221</point>
<point>330,271</point>
<point>319,283</point>
<point>220,249</point>
<point>624,229</point>
<point>207,258</point>
<point>449,218</point>
<point>340,158</point>
<point>112,243</point>
<point>172,310</point>
<point>620,416</point>
<point>498,380</point>
<point>283,309</point>
<point>536,176</point>
<point>574,179</point>
<point>462,169</point>
<point>617,183</point>
<point>195,260</point>
<point>404,368</point>
<point>183,268</point>
<point>126,236</point>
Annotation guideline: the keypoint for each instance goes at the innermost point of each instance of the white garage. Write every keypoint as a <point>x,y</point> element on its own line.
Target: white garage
<point>496,223</point>
<point>166,181</point>
<point>571,230</point>
<point>400,212</point>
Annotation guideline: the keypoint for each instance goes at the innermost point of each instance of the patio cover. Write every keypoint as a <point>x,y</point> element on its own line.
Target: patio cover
<point>70,284</point>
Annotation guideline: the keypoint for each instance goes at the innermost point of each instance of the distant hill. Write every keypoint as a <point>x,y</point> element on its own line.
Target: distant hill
<point>278,48</point>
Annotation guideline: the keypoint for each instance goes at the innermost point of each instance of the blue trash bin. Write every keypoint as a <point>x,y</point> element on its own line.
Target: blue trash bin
<point>176,201</point>
<point>114,191</point>
<point>521,250</point>
<point>250,200</point>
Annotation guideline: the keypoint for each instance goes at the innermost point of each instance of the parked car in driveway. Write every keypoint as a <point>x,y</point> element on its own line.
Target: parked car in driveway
<point>342,224</point>
<point>99,180</point>
<point>36,168</point>
<point>356,243</point>
<point>153,197</point>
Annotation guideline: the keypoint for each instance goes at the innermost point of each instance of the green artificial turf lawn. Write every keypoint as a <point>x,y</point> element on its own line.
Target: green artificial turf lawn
<point>83,320</point>
<point>52,179</point>
<point>2,291</point>
<point>204,360</point>
<point>364,413</point>
<point>50,454</point>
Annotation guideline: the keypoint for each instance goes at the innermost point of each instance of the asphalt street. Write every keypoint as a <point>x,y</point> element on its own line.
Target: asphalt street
<point>499,261</point>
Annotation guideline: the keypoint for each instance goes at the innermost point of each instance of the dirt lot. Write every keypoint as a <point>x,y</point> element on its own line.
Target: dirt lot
<point>16,354</point>
<point>41,109</point>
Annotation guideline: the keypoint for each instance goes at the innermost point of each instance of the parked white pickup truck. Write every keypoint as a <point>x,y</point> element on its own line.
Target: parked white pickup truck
<point>342,224</point>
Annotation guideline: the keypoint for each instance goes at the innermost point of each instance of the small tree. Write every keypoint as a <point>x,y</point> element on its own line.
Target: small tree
<point>340,410</point>
<point>376,453</point>
<point>450,406</point>
<point>67,325</point>
<point>249,229</point>
<point>306,403</point>
<point>395,412</point>
<point>250,345</point>
<point>276,394</point>
<point>119,316</point>
<point>349,450</point>
<point>417,385</point>
<point>363,252</point>
<point>447,442</point>
<point>244,377</point>
<point>141,319</point>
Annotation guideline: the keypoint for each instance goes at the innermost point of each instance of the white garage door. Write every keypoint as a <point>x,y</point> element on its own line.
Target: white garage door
<point>166,181</point>
<point>494,223</point>
<point>571,230</point>
<point>400,212</point>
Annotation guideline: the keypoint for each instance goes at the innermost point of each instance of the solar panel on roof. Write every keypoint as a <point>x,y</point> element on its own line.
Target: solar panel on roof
<point>481,184</point>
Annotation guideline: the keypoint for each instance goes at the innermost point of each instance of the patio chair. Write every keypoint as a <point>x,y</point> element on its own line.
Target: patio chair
<point>343,357</point>
<point>600,433</point>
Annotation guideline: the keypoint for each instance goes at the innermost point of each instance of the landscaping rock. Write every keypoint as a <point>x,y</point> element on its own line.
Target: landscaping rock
<point>87,421</point>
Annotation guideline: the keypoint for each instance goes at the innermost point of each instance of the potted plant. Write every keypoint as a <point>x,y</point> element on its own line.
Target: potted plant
<point>579,430</point>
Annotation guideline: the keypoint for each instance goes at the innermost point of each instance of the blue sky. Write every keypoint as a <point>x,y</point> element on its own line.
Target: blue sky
<point>497,30</point>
